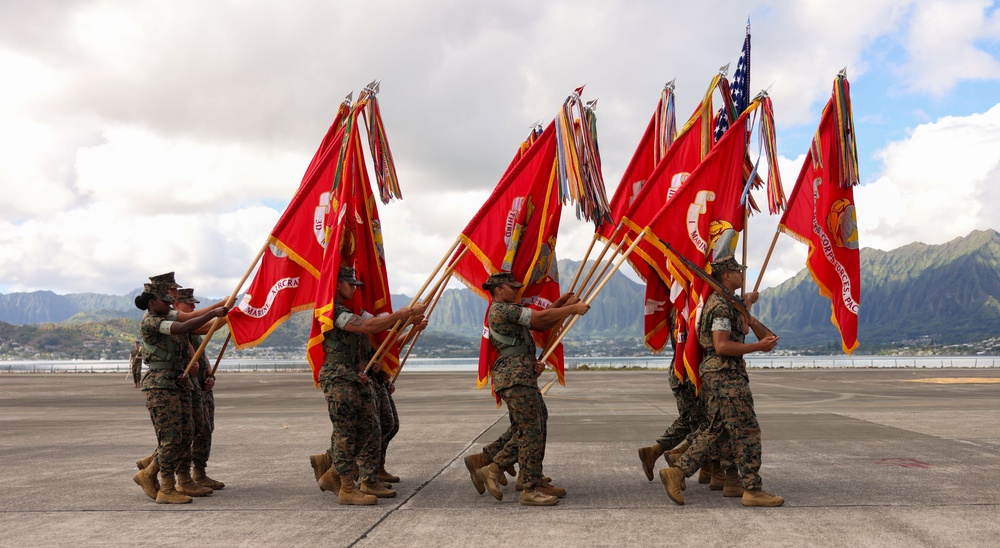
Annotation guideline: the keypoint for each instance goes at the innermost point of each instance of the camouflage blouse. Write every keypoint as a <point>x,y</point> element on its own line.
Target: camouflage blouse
<point>344,349</point>
<point>158,345</point>
<point>719,315</point>
<point>510,321</point>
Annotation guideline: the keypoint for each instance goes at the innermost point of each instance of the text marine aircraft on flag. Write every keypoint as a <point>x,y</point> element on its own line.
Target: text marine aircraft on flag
<point>331,221</point>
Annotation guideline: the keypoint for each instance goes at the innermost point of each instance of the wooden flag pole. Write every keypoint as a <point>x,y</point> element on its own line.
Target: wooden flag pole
<point>766,259</point>
<point>380,353</point>
<point>551,348</point>
<point>225,344</point>
<point>746,232</point>
<point>434,301</point>
<point>229,303</point>
<point>583,264</point>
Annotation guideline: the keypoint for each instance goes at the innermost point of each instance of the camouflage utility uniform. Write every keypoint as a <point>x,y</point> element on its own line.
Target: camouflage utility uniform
<point>169,405</point>
<point>515,381</point>
<point>732,423</point>
<point>690,407</point>
<point>356,436</point>
<point>388,418</point>
<point>202,409</point>
<point>135,362</point>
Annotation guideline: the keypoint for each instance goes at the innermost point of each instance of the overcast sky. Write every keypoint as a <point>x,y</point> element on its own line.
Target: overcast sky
<point>138,137</point>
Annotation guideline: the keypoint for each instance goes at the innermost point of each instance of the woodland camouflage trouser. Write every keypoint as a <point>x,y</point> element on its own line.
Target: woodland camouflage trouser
<point>356,435</point>
<point>690,414</point>
<point>203,415</point>
<point>732,427</point>
<point>170,411</point>
<point>388,419</point>
<point>528,417</point>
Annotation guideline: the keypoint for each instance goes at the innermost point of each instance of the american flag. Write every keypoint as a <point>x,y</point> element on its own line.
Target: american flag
<point>740,87</point>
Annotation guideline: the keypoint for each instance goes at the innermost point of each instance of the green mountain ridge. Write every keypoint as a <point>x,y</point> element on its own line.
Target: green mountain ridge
<point>918,294</point>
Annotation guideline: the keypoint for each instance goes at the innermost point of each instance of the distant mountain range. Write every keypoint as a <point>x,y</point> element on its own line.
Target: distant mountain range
<point>945,294</point>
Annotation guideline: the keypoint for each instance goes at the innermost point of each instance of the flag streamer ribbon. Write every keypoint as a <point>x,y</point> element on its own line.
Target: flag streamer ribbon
<point>845,132</point>
<point>385,168</point>
<point>579,170</point>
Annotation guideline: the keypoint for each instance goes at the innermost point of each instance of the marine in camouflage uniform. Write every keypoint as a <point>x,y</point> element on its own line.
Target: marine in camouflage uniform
<point>355,442</point>
<point>515,379</point>
<point>690,415</point>
<point>733,423</point>
<point>388,421</point>
<point>135,363</point>
<point>202,405</point>
<point>168,395</point>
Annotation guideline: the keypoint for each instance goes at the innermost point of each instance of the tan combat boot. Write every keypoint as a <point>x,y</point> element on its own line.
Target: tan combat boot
<point>187,486</point>
<point>384,476</point>
<point>733,487</point>
<point>350,495</point>
<point>473,463</point>
<point>202,479</point>
<point>674,454</point>
<point>490,476</point>
<point>673,479</point>
<point>330,480</point>
<point>648,457</point>
<point>378,489</point>
<point>169,495</point>
<point>533,497</point>
<point>144,462</point>
<point>547,488</point>
<point>760,497</point>
<point>146,478</point>
<point>519,487</point>
<point>705,474</point>
<point>508,471</point>
<point>320,464</point>
<point>718,480</point>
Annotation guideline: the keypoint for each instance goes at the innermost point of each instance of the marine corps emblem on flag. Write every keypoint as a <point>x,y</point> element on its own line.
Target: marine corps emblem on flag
<point>843,224</point>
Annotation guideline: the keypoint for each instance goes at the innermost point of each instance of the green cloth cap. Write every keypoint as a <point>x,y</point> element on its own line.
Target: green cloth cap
<point>501,278</point>
<point>726,265</point>
<point>167,279</point>
<point>186,295</point>
<point>348,275</point>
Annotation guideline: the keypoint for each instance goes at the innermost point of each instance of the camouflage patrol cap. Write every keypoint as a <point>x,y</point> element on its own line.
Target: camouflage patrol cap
<point>167,279</point>
<point>728,264</point>
<point>348,275</point>
<point>160,291</point>
<point>501,278</point>
<point>186,295</point>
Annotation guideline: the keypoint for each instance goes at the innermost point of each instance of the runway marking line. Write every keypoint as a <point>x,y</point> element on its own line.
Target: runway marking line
<point>957,380</point>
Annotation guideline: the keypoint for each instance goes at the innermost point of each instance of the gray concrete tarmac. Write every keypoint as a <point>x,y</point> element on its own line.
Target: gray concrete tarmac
<point>862,457</point>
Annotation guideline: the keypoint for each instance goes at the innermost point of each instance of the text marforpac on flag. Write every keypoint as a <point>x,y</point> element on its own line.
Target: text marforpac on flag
<point>821,213</point>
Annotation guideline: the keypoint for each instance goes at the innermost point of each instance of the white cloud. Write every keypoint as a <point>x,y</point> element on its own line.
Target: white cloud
<point>944,42</point>
<point>139,137</point>
<point>937,184</point>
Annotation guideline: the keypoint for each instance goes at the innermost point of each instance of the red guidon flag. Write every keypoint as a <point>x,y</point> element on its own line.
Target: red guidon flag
<point>703,215</point>
<point>286,278</point>
<point>821,213</point>
<point>645,201</point>
<point>515,231</point>
<point>354,239</point>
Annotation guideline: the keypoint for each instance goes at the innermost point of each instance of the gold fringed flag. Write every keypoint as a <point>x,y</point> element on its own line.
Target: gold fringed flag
<point>821,213</point>
<point>353,238</point>
<point>703,217</point>
<point>286,279</point>
<point>515,231</point>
